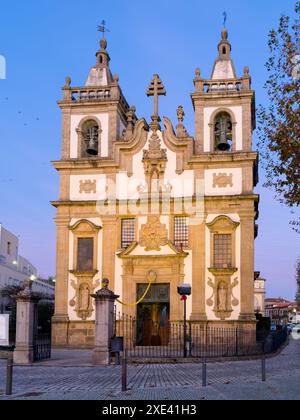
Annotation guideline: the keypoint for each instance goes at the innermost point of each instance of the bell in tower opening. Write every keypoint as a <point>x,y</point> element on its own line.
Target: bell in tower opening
<point>91,138</point>
<point>223,132</point>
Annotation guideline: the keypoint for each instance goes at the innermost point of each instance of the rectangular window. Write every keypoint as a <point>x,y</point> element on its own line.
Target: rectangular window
<point>222,251</point>
<point>8,248</point>
<point>128,232</point>
<point>181,232</point>
<point>85,255</point>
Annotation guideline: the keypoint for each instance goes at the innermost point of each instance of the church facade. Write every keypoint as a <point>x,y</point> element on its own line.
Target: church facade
<point>149,207</point>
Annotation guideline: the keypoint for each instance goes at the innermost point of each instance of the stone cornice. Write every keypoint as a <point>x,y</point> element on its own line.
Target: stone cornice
<point>222,95</point>
<point>235,198</point>
<point>203,159</point>
<point>224,157</point>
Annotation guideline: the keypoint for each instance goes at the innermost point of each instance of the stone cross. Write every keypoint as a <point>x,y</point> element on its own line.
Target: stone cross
<point>156,89</point>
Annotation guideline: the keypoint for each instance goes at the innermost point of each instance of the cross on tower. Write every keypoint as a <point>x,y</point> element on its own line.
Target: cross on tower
<point>156,89</point>
<point>225,19</point>
<point>102,28</point>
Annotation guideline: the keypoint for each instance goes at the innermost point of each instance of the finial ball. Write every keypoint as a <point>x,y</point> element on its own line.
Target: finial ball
<point>68,81</point>
<point>225,35</point>
<point>103,44</point>
<point>198,72</point>
<point>116,78</point>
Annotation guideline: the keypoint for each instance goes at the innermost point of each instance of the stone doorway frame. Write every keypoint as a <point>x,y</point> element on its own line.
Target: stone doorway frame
<point>169,269</point>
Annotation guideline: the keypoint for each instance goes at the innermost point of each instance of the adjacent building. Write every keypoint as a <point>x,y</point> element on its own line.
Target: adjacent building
<point>259,294</point>
<point>144,202</point>
<point>281,311</point>
<point>14,268</point>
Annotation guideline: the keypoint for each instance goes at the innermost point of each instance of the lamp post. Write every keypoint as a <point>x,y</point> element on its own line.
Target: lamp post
<point>184,291</point>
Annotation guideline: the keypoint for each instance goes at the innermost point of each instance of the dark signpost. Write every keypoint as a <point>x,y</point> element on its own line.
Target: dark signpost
<point>184,291</point>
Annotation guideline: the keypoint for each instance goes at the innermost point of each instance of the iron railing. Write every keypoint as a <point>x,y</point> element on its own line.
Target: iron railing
<point>166,340</point>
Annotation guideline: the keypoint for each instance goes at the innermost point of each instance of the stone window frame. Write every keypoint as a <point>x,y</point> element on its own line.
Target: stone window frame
<point>80,139</point>
<point>85,229</point>
<point>222,255</point>
<point>212,129</point>
<point>222,225</point>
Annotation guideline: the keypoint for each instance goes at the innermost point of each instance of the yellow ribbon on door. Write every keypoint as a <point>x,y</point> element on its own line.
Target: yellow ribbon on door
<point>141,299</point>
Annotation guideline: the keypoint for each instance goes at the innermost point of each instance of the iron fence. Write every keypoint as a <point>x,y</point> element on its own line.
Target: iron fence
<point>166,341</point>
<point>42,347</point>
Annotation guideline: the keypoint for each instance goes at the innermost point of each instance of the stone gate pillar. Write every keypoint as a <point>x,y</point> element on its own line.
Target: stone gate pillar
<point>26,325</point>
<point>104,329</point>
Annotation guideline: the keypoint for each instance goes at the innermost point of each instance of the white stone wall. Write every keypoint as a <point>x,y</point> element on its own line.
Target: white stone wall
<point>233,173</point>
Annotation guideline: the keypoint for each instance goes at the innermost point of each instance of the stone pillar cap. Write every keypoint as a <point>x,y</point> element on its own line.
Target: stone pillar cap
<point>105,293</point>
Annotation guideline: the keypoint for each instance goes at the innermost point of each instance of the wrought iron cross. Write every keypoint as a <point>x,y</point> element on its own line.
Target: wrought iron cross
<point>102,28</point>
<point>156,89</point>
<point>225,19</point>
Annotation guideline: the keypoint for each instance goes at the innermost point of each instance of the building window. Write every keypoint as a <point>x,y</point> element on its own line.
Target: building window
<point>85,255</point>
<point>181,232</point>
<point>8,248</point>
<point>222,251</point>
<point>223,132</point>
<point>128,232</point>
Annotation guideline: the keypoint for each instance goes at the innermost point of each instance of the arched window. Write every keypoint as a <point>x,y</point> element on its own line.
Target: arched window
<point>90,139</point>
<point>223,132</point>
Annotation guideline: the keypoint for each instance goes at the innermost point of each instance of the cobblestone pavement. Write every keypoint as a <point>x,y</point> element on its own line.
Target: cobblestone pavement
<point>231,380</point>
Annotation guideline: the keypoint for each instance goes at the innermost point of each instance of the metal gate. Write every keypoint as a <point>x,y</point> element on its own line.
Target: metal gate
<point>42,347</point>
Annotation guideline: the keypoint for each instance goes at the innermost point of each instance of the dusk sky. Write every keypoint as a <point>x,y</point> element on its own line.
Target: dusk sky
<point>44,41</point>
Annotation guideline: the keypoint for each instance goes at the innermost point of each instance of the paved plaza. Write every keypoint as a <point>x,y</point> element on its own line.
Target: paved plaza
<point>76,379</point>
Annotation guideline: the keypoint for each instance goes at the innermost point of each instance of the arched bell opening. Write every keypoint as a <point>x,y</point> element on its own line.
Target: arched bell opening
<point>90,139</point>
<point>223,132</point>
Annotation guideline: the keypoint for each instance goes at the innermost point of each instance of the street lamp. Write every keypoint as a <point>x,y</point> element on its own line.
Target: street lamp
<point>184,290</point>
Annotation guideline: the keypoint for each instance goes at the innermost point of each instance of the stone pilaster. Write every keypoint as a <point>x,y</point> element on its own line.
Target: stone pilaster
<point>109,248</point>
<point>61,319</point>
<point>247,268</point>
<point>198,291</point>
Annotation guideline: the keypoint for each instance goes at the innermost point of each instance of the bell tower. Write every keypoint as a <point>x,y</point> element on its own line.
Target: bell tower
<point>94,115</point>
<point>224,106</point>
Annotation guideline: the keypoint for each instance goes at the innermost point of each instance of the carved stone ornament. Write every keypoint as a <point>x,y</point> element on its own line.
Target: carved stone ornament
<point>154,234</point>
<point>222,180</point>
<point>222,298</point>
<point>88,187</point>
<point>84,287</point>
<point>155,152</point>
<point>181,131</point>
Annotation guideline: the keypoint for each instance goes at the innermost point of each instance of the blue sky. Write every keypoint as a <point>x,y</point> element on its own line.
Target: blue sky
<point>44,41</point>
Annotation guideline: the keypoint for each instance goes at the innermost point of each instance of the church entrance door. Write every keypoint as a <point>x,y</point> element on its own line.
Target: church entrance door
<point>153,316</point>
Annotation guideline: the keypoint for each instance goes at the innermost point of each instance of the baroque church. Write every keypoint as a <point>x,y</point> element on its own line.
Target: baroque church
<point>150,207</point>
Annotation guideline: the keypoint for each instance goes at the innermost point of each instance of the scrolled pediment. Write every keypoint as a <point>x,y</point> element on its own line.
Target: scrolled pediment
<point>83,226</point>
<point>223,223</point>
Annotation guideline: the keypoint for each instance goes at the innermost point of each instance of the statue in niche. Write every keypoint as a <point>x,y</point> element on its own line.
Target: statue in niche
<point>84,298</point>
<point>81,302</point>
<point>222,298</point>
